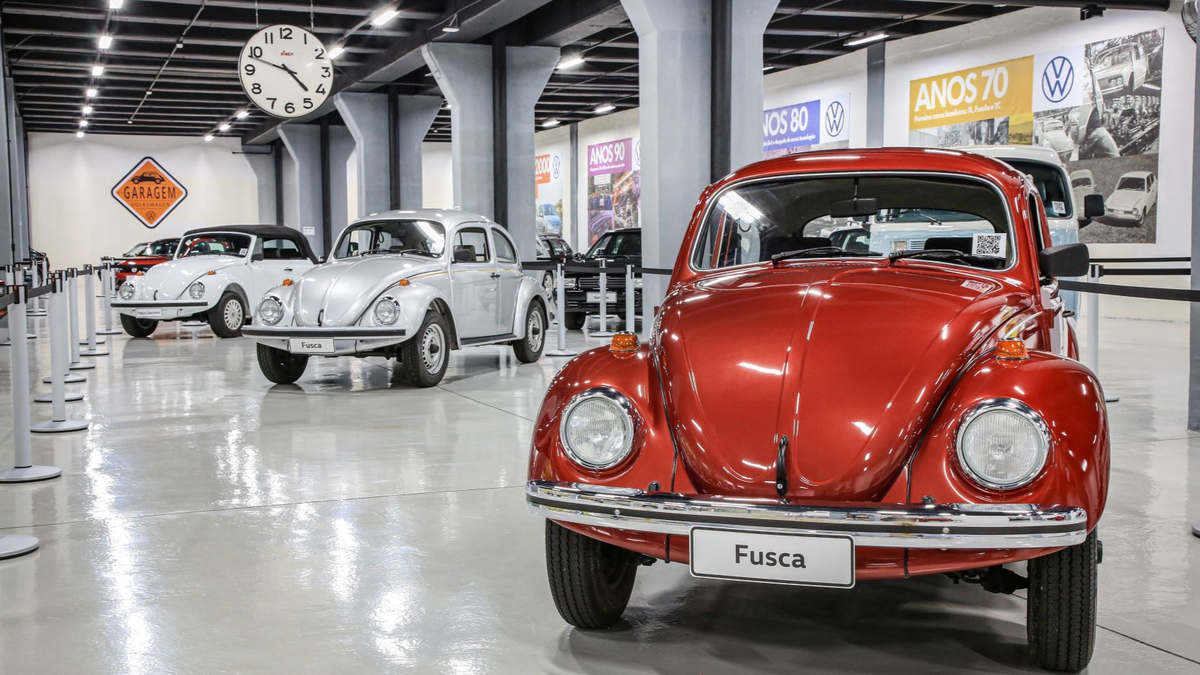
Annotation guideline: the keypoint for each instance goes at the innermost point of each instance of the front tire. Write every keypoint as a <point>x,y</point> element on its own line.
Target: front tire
<point>1061,613</point>
<point>590,580</point>
<point>574,321</point>
<point>426,356</point>
<point>529,348</point>
<point>279,366</point>
<point>227,317</point>
<point>138,327</point>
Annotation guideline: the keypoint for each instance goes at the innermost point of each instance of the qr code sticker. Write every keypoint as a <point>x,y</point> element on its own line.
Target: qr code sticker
<point>1058,209</point>
<point>989,245</point>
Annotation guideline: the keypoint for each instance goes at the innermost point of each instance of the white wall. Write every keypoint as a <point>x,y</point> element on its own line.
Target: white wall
<point>75,218</point>
<point>437,176</point>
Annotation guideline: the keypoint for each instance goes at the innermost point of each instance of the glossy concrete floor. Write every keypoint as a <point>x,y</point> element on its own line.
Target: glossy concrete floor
<point>210,523</point>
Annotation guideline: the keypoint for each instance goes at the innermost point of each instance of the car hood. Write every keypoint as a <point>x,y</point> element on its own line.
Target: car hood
<point>168,280</point>
<point>1124,199</point>
<point>848,360</point>
<point>339,292</point>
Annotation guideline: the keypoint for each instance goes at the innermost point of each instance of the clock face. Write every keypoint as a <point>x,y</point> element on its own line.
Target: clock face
<point>286,71</point>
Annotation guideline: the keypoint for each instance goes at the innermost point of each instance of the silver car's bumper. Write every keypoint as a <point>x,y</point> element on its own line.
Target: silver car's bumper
<point>937,526</point>
<point>346,340</point>
<point>165,310</point>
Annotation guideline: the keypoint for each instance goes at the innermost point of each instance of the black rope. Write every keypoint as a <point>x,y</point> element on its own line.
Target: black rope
<point>1178,294</point>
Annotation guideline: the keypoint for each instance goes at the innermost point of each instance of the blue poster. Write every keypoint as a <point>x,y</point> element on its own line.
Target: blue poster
<point>792,126</point>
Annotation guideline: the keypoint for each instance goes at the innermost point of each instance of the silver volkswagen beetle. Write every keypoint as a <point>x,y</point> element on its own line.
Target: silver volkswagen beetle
<point>410,285</point>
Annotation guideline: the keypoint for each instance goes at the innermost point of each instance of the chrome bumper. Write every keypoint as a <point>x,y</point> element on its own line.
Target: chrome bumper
<point>346,340</point>
<point>171,309</point>
<point>937,526</point>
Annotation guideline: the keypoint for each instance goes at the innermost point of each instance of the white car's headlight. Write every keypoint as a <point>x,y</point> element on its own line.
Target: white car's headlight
<point>196,290</point>
<point>270,310</point>
<point>387,310</point>
<point>126,291</point>
<point>1002,444</point>
<point>571,283</point>
<point>597,428</point>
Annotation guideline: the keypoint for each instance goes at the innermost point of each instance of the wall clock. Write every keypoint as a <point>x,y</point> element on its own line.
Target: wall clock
<point>286,71</point>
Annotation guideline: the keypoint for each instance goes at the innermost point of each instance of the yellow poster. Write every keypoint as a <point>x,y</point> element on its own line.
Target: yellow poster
<point>1003,89</point>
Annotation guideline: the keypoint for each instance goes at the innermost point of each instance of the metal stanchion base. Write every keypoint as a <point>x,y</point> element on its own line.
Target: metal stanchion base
<point>13,545</point>
<point>560,352</point>
<point>49,398</point>
<point>6,342</point>
<point>37,312</point>
<point>110,331</point>
<point>70,378</point>
<point>1111,398</point>
<point>1196,529</point>
<point>53,427</point>
<point>29,474</point>
<point>79,365</point>
<point>95,352</point>
<point>98,341</point>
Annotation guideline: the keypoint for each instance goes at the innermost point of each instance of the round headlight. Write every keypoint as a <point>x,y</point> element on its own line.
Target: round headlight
<point>386,311</point>
<point>1002,444</point>
<point>196,290</point>
<point>597,428</point>
<point>270,310</point>
<point>126,291</point>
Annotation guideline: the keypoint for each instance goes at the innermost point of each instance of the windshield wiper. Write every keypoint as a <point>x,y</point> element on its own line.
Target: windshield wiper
<point>208,253</point>
<point>822,252</point>
<point>417,251</point>
<point>952,253</point>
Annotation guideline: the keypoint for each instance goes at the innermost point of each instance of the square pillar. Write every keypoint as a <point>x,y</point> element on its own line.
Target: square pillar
<point>341,146</point>
<point>528,71</point>
<point>415,114</point>
<point>464,74</point>
<point>303,145</point>
<point>263,166</point>
<point>366,117</point>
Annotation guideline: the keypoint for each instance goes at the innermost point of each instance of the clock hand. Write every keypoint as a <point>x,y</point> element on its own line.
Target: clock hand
<point>297,79</point>
<point>285,69</point>
<point>274,65</point>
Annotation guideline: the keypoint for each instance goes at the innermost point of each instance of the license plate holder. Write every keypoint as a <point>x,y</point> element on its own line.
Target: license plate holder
<point>148,312</point>
<point>594,296</point>
<point>310,345</point>
<point>811,559</point>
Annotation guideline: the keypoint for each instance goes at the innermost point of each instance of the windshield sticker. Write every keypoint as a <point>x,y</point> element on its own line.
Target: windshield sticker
<point>989,245</point>
<point>1058,209</point>
<point>243,251</point>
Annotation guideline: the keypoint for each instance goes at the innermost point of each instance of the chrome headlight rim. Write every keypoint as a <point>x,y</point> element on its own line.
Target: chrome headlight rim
<point>126,286</point>
<point>381,302</point>
<point>631,424</point>
<point>1016,407</point>
<point>278,308</point>
<point>192,290</point>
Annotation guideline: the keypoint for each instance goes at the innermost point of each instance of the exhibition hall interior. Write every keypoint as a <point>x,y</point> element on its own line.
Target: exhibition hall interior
<point>657,337</point>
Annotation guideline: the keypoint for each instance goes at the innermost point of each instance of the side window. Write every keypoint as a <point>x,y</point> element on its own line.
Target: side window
<point>281,249</point>
<point>505,251</point>
<point>477,240</point>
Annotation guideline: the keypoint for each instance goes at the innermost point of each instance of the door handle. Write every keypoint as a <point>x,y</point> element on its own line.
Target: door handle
<point>287,269</point>
<point>495,275</point>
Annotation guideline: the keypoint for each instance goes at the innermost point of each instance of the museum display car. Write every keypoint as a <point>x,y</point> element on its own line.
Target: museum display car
<point>809,414</point>
<point>142,257</point>
<point>394,287</point>
<point>217,275</point>
<point>615,249</point>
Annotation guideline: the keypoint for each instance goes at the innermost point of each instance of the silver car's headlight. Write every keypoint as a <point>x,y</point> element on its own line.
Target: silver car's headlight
<point>571,283</point>
<point>387,310</point>
<point>270,310</point>
<point>196,290</point>
<point>1002,444</point>
<point>126,291</point>
<point>597,428</point>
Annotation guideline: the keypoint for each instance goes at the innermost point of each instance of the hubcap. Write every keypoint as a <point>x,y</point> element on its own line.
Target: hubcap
<point>548,282</point>
<point>534,332</point>
<point>233,315</point>
<point>433,348</point>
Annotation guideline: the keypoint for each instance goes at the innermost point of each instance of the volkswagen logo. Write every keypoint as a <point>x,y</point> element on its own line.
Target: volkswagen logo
<point>835,119</point>
<point>1058,79</point>
<point>556,166</point>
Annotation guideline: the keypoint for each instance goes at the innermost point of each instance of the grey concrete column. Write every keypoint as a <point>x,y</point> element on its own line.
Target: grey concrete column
<point>748,20</point>
<point>464,74</point>
<point>366,117</point>
<point>303,144</point>
<point>416,115</point>
<point>876,69</point>
<point>1193,422</point>
<point>263,166</point>
<point>21,185</point>
<point>341,146</point>
<point>19,245</point>
<point>529,69</point>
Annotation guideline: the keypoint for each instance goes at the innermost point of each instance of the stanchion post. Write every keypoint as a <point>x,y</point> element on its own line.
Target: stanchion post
<point>603,332</point>
<point>58,365</point>
<point>90,313</point>
<point>38,278</point>
<point>630,319</point>
<point>73,323</point>
<point>106,280</point>
<point>560,291</point>
<point>1095,270</point>
<point>24,470</point>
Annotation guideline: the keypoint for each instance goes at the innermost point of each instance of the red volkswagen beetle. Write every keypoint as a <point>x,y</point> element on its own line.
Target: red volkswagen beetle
<point>904,402</point>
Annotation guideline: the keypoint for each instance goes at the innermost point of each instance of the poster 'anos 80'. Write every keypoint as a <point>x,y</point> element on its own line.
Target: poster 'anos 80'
<point>1096,105</point>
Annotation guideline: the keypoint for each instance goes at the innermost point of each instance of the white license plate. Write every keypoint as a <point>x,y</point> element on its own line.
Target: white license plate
<point>148,312</point>
<point>594,296</point>
<point>310,345</point>
<point>800,559</point>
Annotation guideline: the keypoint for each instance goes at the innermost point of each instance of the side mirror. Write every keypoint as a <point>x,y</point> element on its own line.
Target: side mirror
<point>464,254</point>
<point>1093,207</point>
<point>1064,260</point>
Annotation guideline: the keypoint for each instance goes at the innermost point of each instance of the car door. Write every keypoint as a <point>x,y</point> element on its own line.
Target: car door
<point>475,286</point>
<point>274,260</point>
<point>510,272</point>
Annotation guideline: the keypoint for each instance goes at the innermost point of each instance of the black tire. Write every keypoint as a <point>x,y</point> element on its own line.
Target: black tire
<point>529,348</point>
<point>223,314</point>
<point>138,327</point>
<point>590,580</point>
<point>1061,613</point>
<point>279,366</point>
<point>574,321</point>
<point>420,360</point>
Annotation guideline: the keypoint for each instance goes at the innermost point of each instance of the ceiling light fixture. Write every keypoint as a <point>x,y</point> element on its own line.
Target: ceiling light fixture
<point>571,61</point>
<point>91,93</point>
<point>105,41</point>
<point>87,110</point>
<point>78,134</point>
<point>866,39</point>
<point>116,4</point>
<point>97,71</point>
<point>82,123</point>
<point>603,108</point>
<point>551,123</point>
<point>384,17</point>
<point>337,51</point>
<point>768,67</point>
<point>242,114</point>
<point>208,137</point>
<point>224,126</point>
<point>452,25</point>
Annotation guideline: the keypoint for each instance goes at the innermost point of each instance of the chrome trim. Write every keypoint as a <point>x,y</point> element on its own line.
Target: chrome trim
<point>193,285</point>
<point>258,310</point>
<point>630,424</point>
<point>348,332</point>
<point>1014,406</point>
<point>165,304</point>
<point>395,303</point>
<point>935,526</point>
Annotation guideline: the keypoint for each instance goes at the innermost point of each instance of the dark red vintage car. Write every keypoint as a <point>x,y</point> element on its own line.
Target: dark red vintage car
<point>142,257</point>
<point>905,403</point>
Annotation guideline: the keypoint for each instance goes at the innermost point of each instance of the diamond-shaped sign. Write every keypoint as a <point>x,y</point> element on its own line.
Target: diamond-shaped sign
<point>149,192</point>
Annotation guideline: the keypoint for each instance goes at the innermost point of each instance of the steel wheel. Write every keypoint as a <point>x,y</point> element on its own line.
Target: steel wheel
<point>535,332</point>
<point>433,348</point>
<point>233,315</point>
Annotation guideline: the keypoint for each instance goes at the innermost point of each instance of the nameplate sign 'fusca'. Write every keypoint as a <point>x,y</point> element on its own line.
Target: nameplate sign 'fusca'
<point>149,192</point>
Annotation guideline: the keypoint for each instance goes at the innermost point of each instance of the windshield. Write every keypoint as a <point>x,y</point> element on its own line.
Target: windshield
<point>1050,184</point>
<point>416,237</point>
<point>1115,57</point>
<point>1081,182</point>
<point>952,220</point>
<point>614,244</point>
<point>140,249</point>
<point>215,243</point>
<point>1132,183</point>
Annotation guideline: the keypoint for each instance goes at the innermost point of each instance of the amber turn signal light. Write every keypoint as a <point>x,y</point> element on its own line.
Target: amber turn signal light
<point>404,282</point>
<point>211,272</point>
<point>624,343</point>
<point>1012,349</point>
<point>287,282</point>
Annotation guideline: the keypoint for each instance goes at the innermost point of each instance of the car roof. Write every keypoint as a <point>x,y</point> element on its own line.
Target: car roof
<point>262,232</point>
<point>447,217</point>
<point>1136,174</point>
<point>1035,153</point>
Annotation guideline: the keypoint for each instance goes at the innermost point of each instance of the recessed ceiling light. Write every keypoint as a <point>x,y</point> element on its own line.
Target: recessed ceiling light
<point>208,137</point>
<point>768,67</point>
<point>224,126</point>
<point>87,110</point>
<point>78,134</point>
<point>97,71</point>
<point>242,114</point>
<point>606,107</point>
<point>551,123</point>
<point>384,17</point>
<point>570,61</point>
<point>866,39</point>
<point>452,25</point>
<point>82,123</point>
<point>91,93</point>
<point>105,41</point>
<point>337,51</point>
<point>116,4</point>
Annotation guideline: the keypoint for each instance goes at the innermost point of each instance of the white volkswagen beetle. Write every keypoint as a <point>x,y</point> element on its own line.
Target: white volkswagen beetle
<point>410,285</point>
<point>217,275</point>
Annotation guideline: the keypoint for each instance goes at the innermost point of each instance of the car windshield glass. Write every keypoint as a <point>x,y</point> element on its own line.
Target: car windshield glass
<point>1132,183</point>
<point>1081,182</point>
<point>1115,57</point>
<point>953,220</point>
<point>140,249</point>
<point>1048,180</point>
<point>214,243</point>
<point>411,237</point>
<point>163,247</point>
<point>615,244</point>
